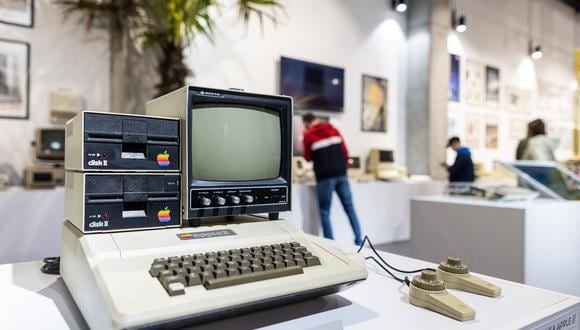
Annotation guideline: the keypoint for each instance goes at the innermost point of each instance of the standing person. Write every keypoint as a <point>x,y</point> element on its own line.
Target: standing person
<point>325,147</point>
<point>540,147</point>
<point>523,145</point>
<point>462,169</point>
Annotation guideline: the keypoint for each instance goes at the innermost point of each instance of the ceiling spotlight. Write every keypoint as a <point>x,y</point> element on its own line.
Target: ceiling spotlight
<point>400,5</point>
<point>461,26</point>
<point>536,53</point>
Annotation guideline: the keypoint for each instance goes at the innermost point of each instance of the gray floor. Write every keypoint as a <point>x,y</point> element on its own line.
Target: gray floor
<point>400,248</point>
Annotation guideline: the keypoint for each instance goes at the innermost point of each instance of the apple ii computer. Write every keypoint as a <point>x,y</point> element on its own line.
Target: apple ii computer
<point>235,155</point>
<point>381,164</point>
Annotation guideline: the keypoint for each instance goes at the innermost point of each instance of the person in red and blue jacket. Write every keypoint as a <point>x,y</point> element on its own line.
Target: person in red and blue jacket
<point>325,147</point>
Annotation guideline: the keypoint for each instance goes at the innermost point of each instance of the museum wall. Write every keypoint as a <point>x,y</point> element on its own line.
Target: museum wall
<point>363,37</point>
<point>62,54</point>
<point>497,36</point>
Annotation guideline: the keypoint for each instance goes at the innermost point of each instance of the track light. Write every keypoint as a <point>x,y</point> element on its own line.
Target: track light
<point>461,26</point>
<point>536,53</point>
<point>400,5</point>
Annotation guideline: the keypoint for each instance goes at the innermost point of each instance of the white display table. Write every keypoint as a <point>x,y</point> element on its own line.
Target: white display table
<point>31,300</point>
<point>383,209</point>
<point>31,223</point>
<point>534,242</point>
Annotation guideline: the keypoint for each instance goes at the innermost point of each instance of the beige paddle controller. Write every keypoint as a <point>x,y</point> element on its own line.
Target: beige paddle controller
<point>428,291</point>
<point>455,275</point>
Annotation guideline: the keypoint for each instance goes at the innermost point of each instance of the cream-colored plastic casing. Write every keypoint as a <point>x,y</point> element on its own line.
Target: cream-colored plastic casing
<point>469,283</point>
<point>75,141</point>
<point>107,274</point>
<point>441,302</point>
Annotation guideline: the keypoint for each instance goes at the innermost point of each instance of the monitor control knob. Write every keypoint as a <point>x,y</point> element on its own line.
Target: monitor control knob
<point>234,200</point>
<point>204,201</point>
<point>248,199</point>
<point>220,201</point>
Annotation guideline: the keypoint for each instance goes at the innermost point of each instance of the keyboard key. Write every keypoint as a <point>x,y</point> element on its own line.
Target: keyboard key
<point>277,251</point>
<point>207,268</point>
<point>206,275</point>
<point>231,264</point>
<point>286,245</point>
<point>312,261</point>
<point>223,253</point>
<point>268,253</point>
<point>245,250</point>
<point>289,263</point>
<point>244,263</point>
<point>279,264</point>
<point>306,254</point>
<point>246,256</point>
<point>175,289</point>
<point>287,250</point>
<point>257,254</point>
<point>294,244</point>
<point>174,259</point>
<point>287,256</point>
<point>276,246</point>
<point>193,279</point>
<point>180,272</point>
<point>266,260</point>
<point>235,257</point>
<point>219,266</point>
<point>278,258</point>
<point>251,277</point>
<point>232,271</point>
<point>164,273</point>
<point>296,255</point>
<point>209,255</point>
<point>172,266</point>
<point>256,268</point>
<point>199,256</point>
<point>160,261</point>
<point>234,251</point>
<point>300,249</point>
<point>266,248</point>
<point>186,258</point>
<point>193,270</point>
<point>223,259</point>
<point>256,249</point>
<point>244,270</point>
<point>300,262</point>
<point>185,264</point>
<point>268,266</point>
<point>156,269</point>
<point>219,273</point>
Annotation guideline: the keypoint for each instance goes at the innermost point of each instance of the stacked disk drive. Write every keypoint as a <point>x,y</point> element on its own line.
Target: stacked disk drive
<point>122,172</point>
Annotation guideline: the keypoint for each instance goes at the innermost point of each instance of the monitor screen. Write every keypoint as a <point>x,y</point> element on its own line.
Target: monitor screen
<point>231,143</point>
<point>554,179</point>
<point>313,86</point>
<point>50,143</point>
<point>386,156</point>
<point>354,162</point>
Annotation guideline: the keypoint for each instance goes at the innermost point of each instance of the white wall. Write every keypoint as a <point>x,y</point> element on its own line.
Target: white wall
<point>497,35</point>
<point>359,36</point>
<point>62,55</point>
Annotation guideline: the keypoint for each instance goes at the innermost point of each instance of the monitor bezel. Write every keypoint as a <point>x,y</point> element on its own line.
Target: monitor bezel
<point>280,104</point>
<point>544,190</point>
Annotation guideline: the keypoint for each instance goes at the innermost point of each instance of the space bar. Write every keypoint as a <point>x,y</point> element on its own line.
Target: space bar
<point>252,277</point>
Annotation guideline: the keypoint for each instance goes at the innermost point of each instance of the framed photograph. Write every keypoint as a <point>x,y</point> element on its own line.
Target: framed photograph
<point>491,133</point>
<point>491,84</point>
<point>17,12</point>
<point>472,131</point>
<point>454,80</point>
<point>14,79</point>
<point>374,104</point>
<point>474,83</point>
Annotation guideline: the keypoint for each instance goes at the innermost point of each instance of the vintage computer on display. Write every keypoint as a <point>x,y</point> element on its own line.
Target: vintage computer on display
<point>302,170</point>
<point>48,172</point>
<point>381,164</point>
<point>236,161</point>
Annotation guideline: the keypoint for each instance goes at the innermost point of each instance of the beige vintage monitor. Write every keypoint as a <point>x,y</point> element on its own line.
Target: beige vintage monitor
<point>64,104</point>
<point>381,164</point>
<point>301,170</point>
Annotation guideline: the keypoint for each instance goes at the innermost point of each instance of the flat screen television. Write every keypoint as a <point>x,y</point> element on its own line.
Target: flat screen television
<point>314,87</point>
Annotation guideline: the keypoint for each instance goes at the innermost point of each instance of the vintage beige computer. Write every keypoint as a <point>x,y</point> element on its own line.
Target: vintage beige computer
<point>48,170</point>
<point>236,161</point>
<point>302,170</point>
<point>381,164</point>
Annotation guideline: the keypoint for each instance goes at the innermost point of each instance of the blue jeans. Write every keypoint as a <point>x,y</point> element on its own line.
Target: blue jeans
<point>324,190</point>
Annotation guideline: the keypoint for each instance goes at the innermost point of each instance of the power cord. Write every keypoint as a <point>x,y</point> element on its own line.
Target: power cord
<point>51,266</point>
<point>385,263</point>
<point>402,280</point>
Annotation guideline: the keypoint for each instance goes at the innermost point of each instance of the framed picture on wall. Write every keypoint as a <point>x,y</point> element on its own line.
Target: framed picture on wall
<point>491,133</point>
<point>474,83</point>
<point>491,84</point>
<point>472,130</point>
<point>17,12</point>
<point>14,79</point>
<point>454,81</point>
<point>374,104</point>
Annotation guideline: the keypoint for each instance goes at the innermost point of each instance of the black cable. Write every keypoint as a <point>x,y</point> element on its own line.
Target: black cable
<point>51,266</point>
<point>367,239</point>
<point>401,280</point>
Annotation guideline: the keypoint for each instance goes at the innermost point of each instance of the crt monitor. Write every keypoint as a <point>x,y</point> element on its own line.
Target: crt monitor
<point>49,143</point>
<point>237,155</point>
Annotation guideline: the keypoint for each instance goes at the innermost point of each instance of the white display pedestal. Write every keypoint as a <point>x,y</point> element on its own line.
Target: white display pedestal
<point>383,209</point>
<point>535,243</point>
<point>31,223</point>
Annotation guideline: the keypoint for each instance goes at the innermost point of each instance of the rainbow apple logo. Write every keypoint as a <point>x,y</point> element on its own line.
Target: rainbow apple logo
<point>163,215</point>
<point>163,159</point>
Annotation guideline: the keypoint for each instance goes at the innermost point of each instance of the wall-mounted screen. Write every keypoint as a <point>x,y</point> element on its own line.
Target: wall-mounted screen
<point>314,87</point>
